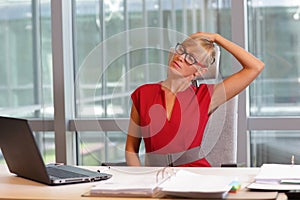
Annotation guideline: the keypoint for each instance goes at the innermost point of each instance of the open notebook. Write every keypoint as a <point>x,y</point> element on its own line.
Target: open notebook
<point>23,157</point>
<point>164,183</point>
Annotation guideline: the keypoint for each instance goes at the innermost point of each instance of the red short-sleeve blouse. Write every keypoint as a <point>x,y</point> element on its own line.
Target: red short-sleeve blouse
<point>186,126</point>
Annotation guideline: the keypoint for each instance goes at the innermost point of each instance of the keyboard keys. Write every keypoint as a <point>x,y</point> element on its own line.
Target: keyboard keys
<point>60,173</point>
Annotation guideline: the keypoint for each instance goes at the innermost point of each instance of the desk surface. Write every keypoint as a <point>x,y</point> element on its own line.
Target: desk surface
<point>13,187</point>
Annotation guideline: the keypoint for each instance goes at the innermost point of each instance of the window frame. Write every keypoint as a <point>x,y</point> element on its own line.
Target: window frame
<point>65,125</point>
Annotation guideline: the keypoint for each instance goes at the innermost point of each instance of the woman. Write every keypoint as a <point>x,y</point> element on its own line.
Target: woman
<point>171,115</point>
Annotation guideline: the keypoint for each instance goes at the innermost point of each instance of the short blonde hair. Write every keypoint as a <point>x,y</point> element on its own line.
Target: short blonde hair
<point>202,48</point>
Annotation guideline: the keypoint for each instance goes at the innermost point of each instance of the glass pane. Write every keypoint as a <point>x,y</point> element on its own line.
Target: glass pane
<point>45,143</point>
<point>26,59</point>
<point>274,147</point>
<point>120,45</point>
<point>99,147</point>
<point>221,23</point>
<point>2,161</point>
<point>26,64</point>
<point>274,37</point>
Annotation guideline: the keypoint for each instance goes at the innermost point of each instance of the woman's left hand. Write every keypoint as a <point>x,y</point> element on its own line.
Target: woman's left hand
<point>211,37</point>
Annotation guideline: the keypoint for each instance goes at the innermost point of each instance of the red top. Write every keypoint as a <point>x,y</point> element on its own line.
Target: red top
<point>186,126</point>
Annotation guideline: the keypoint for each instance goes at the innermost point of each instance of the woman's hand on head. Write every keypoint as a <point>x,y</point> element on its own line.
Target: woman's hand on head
<point>211,37</point>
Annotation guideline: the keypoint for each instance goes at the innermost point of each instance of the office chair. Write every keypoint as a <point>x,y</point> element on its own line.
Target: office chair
<point>220,136</point>
<point>219,142</point>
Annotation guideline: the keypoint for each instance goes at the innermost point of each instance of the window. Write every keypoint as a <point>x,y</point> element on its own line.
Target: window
<point>276,92</point>
<point>275,96</point>
<point>120,45</point>
<point>26,65</point>
<point>274,147</point>
<point>26,62</point>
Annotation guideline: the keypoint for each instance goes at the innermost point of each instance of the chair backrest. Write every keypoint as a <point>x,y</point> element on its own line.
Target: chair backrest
<point>220,137</point>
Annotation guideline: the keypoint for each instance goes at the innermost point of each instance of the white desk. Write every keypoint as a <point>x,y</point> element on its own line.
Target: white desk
<point>13,187</point>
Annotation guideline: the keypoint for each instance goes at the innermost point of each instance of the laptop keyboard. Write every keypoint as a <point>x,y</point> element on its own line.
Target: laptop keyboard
<point>60,173</point>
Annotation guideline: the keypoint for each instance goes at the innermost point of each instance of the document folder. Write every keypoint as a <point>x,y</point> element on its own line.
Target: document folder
<point>164,183</point>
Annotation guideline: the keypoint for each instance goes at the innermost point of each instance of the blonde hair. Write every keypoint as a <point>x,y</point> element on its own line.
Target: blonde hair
<point>202,48</point>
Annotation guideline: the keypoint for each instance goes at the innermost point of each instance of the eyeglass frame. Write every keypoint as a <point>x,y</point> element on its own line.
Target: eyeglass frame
<point>185,53</point>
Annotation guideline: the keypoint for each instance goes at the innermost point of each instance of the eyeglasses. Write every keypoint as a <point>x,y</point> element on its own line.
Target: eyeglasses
<point>191,60</point>
<point>180,50</point>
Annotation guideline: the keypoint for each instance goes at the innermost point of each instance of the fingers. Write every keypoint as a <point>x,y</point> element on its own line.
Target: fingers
<point>209,37</point>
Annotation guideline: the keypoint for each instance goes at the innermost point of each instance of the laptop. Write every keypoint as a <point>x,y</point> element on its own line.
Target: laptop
<point>24,159</point>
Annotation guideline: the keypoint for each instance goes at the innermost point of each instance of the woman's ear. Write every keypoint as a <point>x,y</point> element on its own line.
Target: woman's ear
<point>200,72</point>
<point>204,70</point>
<point>197,73</point>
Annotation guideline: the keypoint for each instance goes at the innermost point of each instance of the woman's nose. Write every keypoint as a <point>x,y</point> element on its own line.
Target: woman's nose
<point>180,57</point>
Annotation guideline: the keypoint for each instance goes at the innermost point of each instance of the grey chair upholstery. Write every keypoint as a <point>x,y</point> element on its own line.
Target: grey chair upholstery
<point>220,137</point>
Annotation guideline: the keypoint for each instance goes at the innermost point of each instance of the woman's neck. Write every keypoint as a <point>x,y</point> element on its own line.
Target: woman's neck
<point>175,85</point>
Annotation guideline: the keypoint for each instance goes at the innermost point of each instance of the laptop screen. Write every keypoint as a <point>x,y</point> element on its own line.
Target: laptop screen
<point>20,150</point>
<point>24,159</point>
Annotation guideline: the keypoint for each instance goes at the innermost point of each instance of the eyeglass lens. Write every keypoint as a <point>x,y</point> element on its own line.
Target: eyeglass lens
<point>188,58</point>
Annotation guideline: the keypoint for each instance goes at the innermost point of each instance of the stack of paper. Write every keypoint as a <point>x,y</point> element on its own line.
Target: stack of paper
<point>192,185</point>
<point>277,177</point>
<point>182,184</point>
<point>128,185</point>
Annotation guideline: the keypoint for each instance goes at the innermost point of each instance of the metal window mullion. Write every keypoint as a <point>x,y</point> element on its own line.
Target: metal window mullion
<point>104,76</point>
<point>273,123</point>
<point>161,38</point>
<point>239,37</point>
<point>9,87</point>
<point>127,55</point>
<point>146,51</point>
<point>218,21</point>
<point>259,49</point>
<point>63,83</point>
<point>120,124</point>
<point>76,90</point>
<point>96,125</point>
<point>184,18</point>
<point>36,59</point>
<point>194,17</point>
<point>36,48</point>
<point>124,87</point>
<point>173,14</point>
<point>203,14</point>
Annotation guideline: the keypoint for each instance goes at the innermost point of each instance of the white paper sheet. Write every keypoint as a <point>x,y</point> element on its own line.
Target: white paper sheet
<point>181,184</point>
